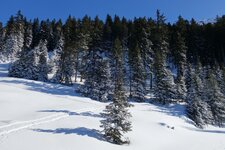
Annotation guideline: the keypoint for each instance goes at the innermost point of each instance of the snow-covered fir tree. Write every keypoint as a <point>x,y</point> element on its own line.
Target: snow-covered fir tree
<point>143,35</point>
<point>97,84</point>
<point>1,39</point>
<point>215,98</point>
<point>103,81</point>
<point>25,66</point>
<point>116,114</point>
<point>28,35</point>
<point>164,89</point>
<point>137,75</point>
<point>14,37</point>
<point>43,59</point>
<point>85,39</point>
<point>220,77</point>
<point>67,61</point>
<point>197,108</point>
<point>181,50</point>
<point>96,71</point>
<point>55,61</point>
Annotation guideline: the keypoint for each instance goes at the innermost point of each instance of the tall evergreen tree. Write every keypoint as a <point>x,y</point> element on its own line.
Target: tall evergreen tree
<point>96,72</point>
<point>68,56</point>
<point>137,77</point>
<point>215,98</point>
<point>14,37</point>
<point>43,59</point>
<point>116,114</point>
<point>180,56</point>
<point>164,82</point>
<point>197,109</point>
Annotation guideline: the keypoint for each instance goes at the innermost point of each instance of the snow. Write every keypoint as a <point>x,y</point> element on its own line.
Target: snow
<point>36,115</point>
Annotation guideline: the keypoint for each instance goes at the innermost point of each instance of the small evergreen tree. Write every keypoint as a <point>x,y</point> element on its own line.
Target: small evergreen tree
<point>25,66</point>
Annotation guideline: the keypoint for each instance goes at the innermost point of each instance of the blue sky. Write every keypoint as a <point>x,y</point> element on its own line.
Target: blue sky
<point>198,9</point>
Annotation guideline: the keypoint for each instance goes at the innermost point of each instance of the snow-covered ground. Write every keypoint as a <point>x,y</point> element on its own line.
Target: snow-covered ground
<point>43,116</point>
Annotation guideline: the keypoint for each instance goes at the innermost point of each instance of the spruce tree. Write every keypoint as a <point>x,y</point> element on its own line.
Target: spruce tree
<point>25,66</point>
<point>215,98</point>
<point>85,40</point>
<point>164,89</point>
<point>1,42</point>
<point>197,108</point>
<point>96,71</point>
<point>116,114</point>
<point>137,77</point>
<point>56,61</point>
<point>68,56</point>
<point>28,35</point>
<point>180,55</point>
<point>42,63</point>
<point>14,37</point>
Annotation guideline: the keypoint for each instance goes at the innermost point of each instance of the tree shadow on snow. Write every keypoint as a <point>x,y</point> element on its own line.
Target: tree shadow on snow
<point>82,131</point>
<point>71,113</point>
<point>176,110</point>
<point>4,70</point>
<point>206,131</point>
<point>45,87</point>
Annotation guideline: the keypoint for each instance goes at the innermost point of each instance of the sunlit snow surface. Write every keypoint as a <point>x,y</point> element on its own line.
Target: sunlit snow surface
<point>44,116</point>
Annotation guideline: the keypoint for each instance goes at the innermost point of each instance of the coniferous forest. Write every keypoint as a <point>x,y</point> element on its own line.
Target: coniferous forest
<point>119,60</point>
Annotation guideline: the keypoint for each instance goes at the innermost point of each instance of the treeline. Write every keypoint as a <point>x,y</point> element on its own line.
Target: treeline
<point>179,62</point>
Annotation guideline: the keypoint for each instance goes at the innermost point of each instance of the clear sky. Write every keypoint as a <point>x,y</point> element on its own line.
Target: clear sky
<point>198,9</point>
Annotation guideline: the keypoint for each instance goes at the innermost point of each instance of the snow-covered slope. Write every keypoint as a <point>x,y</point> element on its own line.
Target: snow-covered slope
<point>43,116</point>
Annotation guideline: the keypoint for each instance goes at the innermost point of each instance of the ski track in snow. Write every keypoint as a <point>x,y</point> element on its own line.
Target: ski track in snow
<point>17,126</point>
<point>20,125</point>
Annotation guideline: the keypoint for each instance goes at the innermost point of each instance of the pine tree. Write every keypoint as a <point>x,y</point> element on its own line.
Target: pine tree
<point>180,50</point>
<point>56,62</point>
<point>27,35</point>
<point>42,63</point>
<point>143,34</point>
<point>164,81</point>
<point>164,89</point>
<point>14,37</point>
<point>103,85</point>
<point>97,77</point>
<point>220,76</point>
<point>55,59</point>
<point>197,108</point>
<point>1,37</point>
<point>85,40</point>
<point>215,98</point>
<point>68,57</point>
<point>25,66</point>
<point>35,33</point>
<point>137,77</point>
<point>116,121</point>
<point>96,71</point>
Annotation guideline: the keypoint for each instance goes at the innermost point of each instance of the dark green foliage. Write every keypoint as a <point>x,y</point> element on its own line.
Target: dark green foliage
<point>116,121</point>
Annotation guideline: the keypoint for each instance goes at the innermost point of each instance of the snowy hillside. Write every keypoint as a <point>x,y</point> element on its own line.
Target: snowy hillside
<point>40,116</point>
